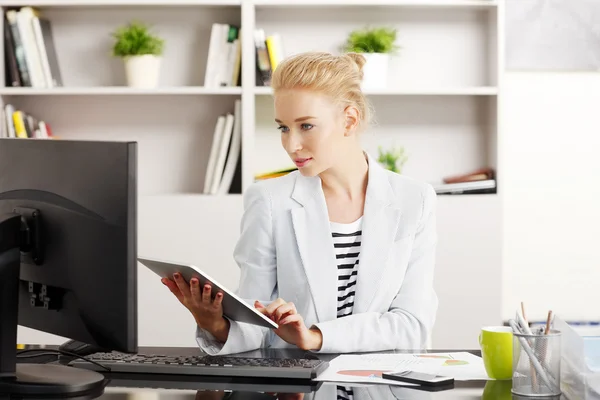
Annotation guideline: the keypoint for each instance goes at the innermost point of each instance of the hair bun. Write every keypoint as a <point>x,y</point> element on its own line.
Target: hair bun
<point>359,60</point>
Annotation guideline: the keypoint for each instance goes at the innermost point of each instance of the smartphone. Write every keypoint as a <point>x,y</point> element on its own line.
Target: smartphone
<point>419,378</point>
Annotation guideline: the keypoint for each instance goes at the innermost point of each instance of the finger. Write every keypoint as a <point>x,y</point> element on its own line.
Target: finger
<point>287,308</point>
<point>170,284</point>
<point>260,307</point>
<point>218,301</point>
<point>196,296</point>
<point>274,306</point>
<point>285,315</point>
<point>183,286</point>
<point>206,294</point>
<point>290,320</point>
<point>173,288</point>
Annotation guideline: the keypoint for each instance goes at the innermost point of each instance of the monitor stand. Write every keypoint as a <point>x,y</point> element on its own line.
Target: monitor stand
<point>25,379</point>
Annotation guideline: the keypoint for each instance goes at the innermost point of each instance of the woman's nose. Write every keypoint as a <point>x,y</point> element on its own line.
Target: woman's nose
<point>292,143</point>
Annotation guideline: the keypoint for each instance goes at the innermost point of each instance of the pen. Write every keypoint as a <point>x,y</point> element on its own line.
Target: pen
<point>534,381</point>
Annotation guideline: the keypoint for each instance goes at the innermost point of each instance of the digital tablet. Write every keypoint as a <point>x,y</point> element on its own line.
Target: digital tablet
<point>234,307</point>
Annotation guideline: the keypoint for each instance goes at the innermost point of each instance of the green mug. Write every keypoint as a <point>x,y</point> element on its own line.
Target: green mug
<point>497,351</point>
<point>497,390</point>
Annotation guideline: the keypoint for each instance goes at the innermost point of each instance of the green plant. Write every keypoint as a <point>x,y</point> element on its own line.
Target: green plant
<point>372,40</point>
<point>135,39</point>
<point>393,159</point>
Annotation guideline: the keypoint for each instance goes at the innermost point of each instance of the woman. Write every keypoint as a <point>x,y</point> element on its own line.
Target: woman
<point>339,253</point>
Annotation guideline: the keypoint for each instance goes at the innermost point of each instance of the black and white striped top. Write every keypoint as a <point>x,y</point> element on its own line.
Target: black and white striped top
<point>346,241</point>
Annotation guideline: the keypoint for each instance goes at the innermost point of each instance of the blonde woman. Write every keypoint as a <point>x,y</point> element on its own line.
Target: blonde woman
<point>341,252</point>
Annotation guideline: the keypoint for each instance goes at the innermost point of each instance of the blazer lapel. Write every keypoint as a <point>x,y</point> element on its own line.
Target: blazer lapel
<point>380,222</point>
<point>315,244</point>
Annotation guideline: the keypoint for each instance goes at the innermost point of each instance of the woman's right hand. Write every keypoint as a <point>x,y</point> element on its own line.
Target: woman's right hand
<point>207,312</point>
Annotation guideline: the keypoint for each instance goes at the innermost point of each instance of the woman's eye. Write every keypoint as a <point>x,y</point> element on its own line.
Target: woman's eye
<point>306,127</point>
<point>282,128</point>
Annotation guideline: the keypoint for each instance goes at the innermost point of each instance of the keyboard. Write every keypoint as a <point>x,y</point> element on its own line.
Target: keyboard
<point>286,368</point>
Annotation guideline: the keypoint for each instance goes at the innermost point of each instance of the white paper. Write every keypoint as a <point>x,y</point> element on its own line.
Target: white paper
<point>368,368</point>
<point>461,366</point>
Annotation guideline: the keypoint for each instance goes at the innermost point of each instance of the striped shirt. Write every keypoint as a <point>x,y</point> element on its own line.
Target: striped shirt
<point>346,241</point>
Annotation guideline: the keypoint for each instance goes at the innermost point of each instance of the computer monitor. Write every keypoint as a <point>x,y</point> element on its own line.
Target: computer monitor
<point>68,232</point>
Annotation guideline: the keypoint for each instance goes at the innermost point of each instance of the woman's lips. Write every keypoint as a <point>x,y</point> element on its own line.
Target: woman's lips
<point>301,162</point>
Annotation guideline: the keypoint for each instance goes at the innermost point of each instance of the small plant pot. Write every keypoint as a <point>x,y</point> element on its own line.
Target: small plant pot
<point>375,70</point>
<point>142,72</point>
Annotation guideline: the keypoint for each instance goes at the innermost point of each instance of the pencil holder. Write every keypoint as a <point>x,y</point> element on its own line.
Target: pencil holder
<point>536,364</point>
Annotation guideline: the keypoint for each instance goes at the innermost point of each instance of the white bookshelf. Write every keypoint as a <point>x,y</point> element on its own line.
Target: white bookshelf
<point>119,91</point>
<point>378,3</point>
<point>442,104</point>
<point>408,91</point>
<point>120,3</point>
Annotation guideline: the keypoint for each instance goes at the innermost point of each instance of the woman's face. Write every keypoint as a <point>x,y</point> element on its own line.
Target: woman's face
<point>312,129</point>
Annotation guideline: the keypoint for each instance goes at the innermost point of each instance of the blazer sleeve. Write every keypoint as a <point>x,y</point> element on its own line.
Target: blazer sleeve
<point>409,321</point>
<point>255,255</point>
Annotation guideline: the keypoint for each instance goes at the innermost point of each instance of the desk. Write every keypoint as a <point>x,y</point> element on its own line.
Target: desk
<point>148,387</point>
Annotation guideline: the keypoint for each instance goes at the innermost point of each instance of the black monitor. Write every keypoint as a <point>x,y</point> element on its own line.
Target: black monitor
<point>68,232</point>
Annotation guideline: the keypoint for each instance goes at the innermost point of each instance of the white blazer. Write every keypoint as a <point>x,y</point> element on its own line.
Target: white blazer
<point>286,250</point>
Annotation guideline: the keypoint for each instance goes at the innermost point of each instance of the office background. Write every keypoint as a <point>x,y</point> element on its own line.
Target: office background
<point>454,101</point>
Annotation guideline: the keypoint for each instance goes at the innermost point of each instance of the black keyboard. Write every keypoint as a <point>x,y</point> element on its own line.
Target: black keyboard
<point>289,368</point>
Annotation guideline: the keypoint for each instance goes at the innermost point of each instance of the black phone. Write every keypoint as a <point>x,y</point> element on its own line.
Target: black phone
<point>419,378</point>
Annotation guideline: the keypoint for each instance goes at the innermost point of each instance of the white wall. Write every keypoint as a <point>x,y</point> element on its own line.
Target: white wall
<point>551,239</point>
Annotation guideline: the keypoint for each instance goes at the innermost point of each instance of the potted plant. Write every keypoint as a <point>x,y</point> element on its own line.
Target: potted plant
<point>393,159</point>
<point>376,45</point>
<point>142,54</point>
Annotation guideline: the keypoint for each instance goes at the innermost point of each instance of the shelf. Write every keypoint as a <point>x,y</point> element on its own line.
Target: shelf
<point>364,3</point>
<point>433,91</point>
<point>113,3</point>
<point>259,3</point>
<point>118,91</point>
<point>190,196</point>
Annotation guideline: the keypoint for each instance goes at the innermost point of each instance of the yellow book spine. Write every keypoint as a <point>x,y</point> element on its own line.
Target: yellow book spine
<point>20,131</point>
<point>273,51</point>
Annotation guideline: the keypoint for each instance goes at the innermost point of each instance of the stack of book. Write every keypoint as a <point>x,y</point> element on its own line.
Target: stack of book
<point>19,124</point>
<point>223,172</point>
<point>224,56</point>
<point>479,181</point>
<point>29,53</point>
<point>269,53</point>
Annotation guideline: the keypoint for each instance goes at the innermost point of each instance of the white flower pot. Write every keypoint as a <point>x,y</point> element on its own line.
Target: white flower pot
<point>375,70</point>
<point>142,72</point>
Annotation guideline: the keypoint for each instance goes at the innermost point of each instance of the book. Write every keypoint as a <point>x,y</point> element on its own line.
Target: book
<point>476,175</point>
<point>222,148</point>
<point>473,187</point>
<point>214,149</point>
<point>223,64</point>
<point>30,55</point>
<point>274,174</point>
<point>233,153</point>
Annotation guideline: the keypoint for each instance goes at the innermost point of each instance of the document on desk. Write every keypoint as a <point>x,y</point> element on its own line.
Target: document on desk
<point>368,368</point>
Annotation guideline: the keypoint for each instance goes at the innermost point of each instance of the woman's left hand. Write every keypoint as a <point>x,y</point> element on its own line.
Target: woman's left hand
<point>292,328</point>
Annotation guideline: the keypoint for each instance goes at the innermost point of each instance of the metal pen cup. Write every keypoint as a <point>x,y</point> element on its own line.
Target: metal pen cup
<point>536,364</point>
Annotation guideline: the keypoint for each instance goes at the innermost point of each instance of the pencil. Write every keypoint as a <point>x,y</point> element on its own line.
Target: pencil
<point>544,349</point>
<point>547,331</point>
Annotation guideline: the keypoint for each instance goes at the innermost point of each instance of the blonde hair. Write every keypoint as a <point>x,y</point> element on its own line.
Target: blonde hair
<point>339,77</point>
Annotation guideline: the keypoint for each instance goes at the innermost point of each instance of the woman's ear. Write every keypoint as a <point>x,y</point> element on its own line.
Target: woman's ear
<point>351,120</point>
